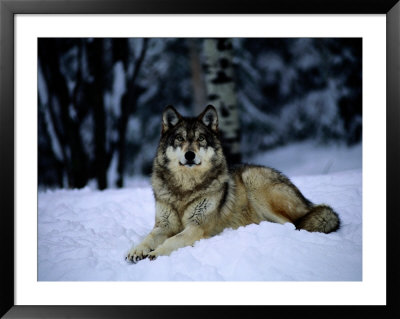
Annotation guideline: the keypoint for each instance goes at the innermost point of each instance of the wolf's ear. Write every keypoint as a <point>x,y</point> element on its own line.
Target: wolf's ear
<point>170,118</point>
<point>210,117</point>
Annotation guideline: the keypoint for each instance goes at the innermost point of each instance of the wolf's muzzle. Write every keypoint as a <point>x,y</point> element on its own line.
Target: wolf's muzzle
<point>190,159</point>
<point>190,156</point>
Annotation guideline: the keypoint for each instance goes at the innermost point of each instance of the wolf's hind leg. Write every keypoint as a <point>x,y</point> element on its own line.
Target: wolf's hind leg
<point>276,198</point>
<point>273,196</point>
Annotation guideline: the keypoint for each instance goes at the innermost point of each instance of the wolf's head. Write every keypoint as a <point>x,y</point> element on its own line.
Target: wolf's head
<point>190,144</point>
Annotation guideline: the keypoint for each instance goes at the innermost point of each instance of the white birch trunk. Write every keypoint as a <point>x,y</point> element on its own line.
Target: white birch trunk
<point>221,92</point>
<point>199,89</point>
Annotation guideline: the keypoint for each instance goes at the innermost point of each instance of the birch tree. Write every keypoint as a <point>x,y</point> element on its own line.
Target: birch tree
<point>221,92</point>
<point>197,75</point>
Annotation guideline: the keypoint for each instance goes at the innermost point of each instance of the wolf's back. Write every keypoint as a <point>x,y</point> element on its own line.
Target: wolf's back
<point>320,218</point>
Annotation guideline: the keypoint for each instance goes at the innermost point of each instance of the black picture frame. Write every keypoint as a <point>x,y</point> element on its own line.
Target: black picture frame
<point>8,10</point>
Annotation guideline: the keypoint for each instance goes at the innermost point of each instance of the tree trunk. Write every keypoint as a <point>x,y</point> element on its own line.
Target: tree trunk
<point>99,114</point>
<point>221,92</point>
<point>45,148</point>
<point>128,105</point>
<point>199,89</point>
<point>60,99</point>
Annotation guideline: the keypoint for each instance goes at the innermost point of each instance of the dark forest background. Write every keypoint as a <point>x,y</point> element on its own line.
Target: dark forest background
<point>100,100</point>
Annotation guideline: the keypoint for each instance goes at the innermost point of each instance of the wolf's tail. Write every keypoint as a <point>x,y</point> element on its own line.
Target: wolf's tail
<point>320,218</point>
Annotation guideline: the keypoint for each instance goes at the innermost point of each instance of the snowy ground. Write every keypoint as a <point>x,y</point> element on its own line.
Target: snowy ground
<point>84,234</point>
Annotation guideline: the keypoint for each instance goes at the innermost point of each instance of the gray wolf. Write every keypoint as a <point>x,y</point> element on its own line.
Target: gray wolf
<point>197,196</point>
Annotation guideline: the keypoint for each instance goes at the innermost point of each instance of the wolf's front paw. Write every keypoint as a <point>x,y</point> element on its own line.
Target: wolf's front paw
<point>160,251</point>
<point>138,253</point>
<point>153,255</point>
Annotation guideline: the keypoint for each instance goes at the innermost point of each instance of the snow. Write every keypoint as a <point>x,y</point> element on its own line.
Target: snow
<point>84,235</point>
<point>308,158</point>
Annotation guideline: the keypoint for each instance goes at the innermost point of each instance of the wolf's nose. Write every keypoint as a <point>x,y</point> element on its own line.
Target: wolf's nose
<point>190,156</point>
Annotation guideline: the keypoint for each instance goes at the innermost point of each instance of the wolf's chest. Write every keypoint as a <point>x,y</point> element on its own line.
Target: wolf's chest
<point>191,208</point>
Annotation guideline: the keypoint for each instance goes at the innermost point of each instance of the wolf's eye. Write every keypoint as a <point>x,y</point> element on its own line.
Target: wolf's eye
<point>179,138</point>
<point>201,138</point>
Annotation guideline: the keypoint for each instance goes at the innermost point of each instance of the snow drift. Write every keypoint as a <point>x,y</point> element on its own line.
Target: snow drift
<point>84,235</point>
